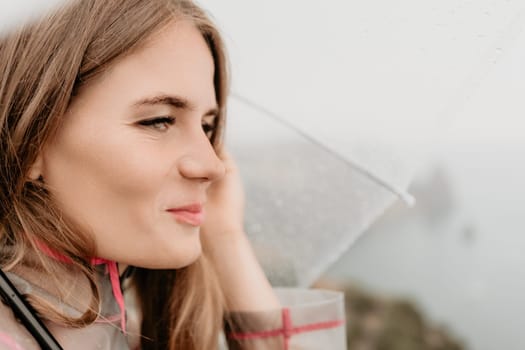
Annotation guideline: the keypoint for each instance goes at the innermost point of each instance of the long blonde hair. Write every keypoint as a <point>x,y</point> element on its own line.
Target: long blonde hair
<point>42,66</point>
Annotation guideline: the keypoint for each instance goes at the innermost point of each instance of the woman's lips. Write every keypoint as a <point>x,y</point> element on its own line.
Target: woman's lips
<point>191,214</point>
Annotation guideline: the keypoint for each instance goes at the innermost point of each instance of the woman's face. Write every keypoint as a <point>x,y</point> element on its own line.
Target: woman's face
<point>133,150</point>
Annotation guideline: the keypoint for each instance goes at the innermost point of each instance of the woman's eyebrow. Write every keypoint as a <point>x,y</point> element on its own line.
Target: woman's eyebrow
<point>173,101</point>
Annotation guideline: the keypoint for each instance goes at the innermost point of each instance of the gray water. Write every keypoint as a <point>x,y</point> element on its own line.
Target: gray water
<point>459,253</point>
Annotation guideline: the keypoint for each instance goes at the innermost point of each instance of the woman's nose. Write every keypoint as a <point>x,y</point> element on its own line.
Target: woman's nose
<point>202,162</point>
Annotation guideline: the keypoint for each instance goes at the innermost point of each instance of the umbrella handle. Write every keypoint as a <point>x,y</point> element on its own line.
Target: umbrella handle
<point>26,314</point>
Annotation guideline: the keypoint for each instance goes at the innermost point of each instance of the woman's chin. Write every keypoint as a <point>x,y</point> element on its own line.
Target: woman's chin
<point>174,257</point>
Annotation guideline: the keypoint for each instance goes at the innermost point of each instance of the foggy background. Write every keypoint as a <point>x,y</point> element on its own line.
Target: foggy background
<point>444,80</point>
<point>458,253</point>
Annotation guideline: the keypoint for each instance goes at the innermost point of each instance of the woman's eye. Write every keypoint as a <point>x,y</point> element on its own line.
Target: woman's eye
<point>208,129</point>
<point>160,123</point>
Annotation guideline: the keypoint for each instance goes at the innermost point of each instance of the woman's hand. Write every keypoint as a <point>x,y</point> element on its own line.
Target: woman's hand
<point>225,244</point>
<point>224,209</point>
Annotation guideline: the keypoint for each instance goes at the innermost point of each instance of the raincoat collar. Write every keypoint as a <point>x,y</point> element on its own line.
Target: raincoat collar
<point>111,269</point>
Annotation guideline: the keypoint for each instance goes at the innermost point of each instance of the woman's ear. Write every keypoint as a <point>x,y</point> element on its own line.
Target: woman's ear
<point>36,170</point>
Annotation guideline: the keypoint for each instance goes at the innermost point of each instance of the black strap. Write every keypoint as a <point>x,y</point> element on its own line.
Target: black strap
<point>26,314</point>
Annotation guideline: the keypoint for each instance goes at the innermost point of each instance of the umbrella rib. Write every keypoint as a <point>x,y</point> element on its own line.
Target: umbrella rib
<point>406,197</point>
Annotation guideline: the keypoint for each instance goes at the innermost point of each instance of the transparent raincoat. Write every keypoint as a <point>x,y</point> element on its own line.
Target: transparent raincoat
<point>309,319</point>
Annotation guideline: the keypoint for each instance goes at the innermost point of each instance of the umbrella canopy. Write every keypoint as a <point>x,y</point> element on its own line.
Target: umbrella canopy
<point>335,106</point>
<point>373,84</point>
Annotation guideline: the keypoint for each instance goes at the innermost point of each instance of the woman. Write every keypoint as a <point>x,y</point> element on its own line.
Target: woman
<point>113,175</point>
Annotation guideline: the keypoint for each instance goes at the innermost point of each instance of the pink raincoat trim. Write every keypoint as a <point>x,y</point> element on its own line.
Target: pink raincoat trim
<point>287,331</point>
<point>10,342</point>
<point>113,276</point>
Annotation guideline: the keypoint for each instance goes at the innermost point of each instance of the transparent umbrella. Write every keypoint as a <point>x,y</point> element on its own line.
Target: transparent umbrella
<point>336,105</point>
